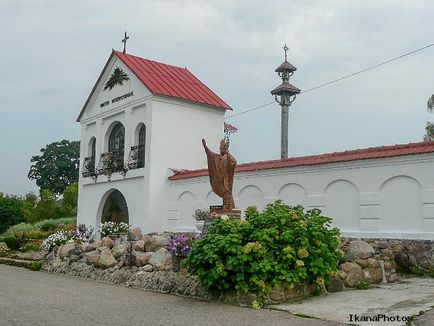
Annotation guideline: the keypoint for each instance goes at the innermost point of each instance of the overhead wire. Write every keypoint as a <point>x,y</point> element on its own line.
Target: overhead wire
<point>338,79</point>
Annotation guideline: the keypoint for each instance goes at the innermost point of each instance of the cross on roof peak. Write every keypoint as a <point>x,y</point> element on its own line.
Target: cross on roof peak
<point>285,48</point>
<point>124,40</point>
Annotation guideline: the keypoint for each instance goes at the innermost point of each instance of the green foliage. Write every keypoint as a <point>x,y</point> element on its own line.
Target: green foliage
<point>11,211</point>
<point>31,246</point>
<point>57,167</point>
<point>48,226</point>
<point>429,131</point>
<point>29,205</point>
<point>46,207</point>
<point>281,246</point>
<point>70,199</point>
<point>11,242</point>
<point>362,285</point>
<point>60,222</point>
<point>36,265</point>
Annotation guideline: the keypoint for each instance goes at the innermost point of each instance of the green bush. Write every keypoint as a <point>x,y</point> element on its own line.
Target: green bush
<point>48,226</point>
<point>281,246</point>
<point>31,246</point>
<point>11,211</point>
<point>36,265</point>
<point>11,242</point>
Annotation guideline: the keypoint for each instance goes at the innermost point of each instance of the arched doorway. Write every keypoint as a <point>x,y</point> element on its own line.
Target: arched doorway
<point>115,208</point>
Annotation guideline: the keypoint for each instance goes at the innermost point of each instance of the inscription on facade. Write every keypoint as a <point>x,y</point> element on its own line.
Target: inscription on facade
<point>117,99</point>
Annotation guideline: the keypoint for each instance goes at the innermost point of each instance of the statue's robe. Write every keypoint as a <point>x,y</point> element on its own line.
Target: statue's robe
<point>221,169</point>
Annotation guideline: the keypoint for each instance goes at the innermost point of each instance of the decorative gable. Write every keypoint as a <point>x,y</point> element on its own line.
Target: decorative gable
<point>124,75</point>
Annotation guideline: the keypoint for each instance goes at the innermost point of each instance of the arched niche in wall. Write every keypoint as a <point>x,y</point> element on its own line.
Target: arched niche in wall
<point>187,206</point>
<point>250,196</point>
<point>343,205</point>
<point>113,207</point>
<point>401,205</point>
<point>293,194</point>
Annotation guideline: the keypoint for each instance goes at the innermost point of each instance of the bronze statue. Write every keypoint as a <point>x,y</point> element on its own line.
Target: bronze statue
<point>221,168</point>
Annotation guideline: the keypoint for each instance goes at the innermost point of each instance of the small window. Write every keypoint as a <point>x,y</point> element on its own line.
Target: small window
<point>142,143</point>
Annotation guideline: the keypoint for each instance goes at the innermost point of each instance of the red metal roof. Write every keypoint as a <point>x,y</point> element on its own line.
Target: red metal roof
<point>346,156</point>
<point>166,80</point>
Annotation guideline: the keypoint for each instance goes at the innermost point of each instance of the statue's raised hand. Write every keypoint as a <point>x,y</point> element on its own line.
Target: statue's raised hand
<point>203,142</point>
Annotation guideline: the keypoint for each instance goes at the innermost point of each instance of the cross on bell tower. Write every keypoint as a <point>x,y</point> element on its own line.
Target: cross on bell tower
<point>124,40</point>
<point>284,95</point>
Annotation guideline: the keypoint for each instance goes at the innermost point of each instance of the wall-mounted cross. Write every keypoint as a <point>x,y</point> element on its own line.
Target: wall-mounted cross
<point>124,40</point>
<point>285,48</point>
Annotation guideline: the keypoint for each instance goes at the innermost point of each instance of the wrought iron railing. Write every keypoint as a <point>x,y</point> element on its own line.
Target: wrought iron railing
<point>89,167</point>
<point>111,162</point>
<point>136,158</point>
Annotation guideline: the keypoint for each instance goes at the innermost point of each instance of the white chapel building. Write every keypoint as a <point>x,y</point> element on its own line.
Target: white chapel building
<point>141,119</point>
<point>142,162</point>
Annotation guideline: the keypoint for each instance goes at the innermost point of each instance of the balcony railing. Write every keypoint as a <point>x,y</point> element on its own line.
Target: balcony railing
<point>136,158</point>
<point>111,162</point>
<point>89,167</point>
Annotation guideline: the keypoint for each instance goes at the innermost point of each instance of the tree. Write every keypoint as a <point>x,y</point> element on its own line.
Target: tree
<point>429,132</point>
<point>46,207</point>
<point>57,167</point>
<point>70,198</point>
<point>10,211</point>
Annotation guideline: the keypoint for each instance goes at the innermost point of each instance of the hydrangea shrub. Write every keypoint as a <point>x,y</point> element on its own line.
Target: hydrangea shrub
<point>283,245</point>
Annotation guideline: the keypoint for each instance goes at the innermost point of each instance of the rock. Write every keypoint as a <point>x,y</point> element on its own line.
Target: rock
<point>67,250</point>
<point>145,257</point>
<point>107,242</point>
<point>336,285</point>
<point>148,268</point>
<point>276,295</point>
<point>358,249</point>
<point>135,234</point>
<point>74,258</point>
<point>362,263</point>
<point>156,242</point>
<point>101,249</point>
<point>139,245</point>
<point>375,273</point>
<point>342,275</point>
<point>353,273</point>
<point>95,244</point>
<point>91,257</point>
<point>86,247</point>
<point>106,259</point>
<point>162,258</point>
<point>119,250</point>
<point>389,264</point>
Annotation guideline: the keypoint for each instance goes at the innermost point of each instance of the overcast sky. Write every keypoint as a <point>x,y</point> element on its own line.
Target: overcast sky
<point>52,53</point>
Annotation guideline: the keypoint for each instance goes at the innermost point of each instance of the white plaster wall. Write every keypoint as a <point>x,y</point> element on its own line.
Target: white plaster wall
<point>176,133</point>
<point>391,197</point>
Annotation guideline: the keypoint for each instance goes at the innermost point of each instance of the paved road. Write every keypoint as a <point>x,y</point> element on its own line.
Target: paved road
<point>39,298</point>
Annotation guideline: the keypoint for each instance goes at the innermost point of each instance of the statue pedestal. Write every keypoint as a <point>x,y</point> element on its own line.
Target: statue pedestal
<point>218,209</point>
